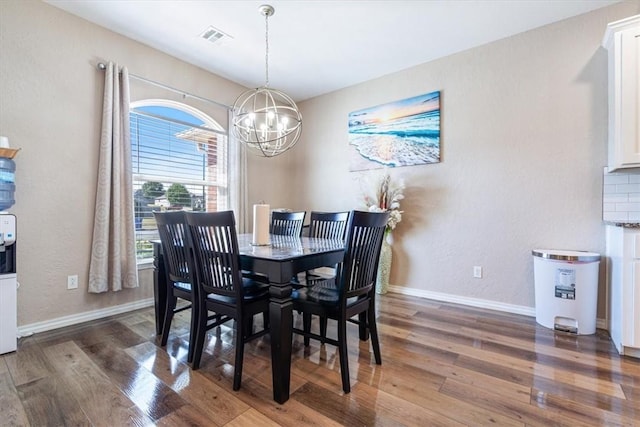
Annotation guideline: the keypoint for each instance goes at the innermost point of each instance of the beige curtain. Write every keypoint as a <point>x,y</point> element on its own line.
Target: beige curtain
<point>113,251</point>
<point>238,191</point>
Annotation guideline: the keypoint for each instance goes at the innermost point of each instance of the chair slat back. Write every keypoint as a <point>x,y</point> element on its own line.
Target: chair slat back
<point>364,241</point>
<point>215,249</point>
<point>172,230</point>
<point>328,225</point>
<point>287,223</point>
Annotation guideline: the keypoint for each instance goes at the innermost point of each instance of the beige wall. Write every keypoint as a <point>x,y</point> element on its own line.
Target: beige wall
<point>523,134</point>
<point>523,140</point>
<point>50,106</point>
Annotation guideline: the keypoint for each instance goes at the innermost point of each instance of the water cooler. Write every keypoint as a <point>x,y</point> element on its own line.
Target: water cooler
<point>8,277</point>
<point>8,284</point>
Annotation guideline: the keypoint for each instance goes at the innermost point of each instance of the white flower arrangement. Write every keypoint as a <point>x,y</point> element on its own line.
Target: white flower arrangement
<point>385,196</point>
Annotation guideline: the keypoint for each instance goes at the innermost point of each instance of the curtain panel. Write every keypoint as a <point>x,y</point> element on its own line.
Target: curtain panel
<point>113,251</point>
<point>238,187</point>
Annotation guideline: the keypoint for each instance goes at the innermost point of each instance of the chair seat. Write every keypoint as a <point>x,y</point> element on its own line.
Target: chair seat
<point>253,291</point>
<point>321,291</point>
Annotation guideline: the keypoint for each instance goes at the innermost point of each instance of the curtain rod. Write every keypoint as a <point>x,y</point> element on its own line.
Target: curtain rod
<point>102,66</point>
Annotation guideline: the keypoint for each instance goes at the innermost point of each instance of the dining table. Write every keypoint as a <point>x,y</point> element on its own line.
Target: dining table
<point>280,260</point>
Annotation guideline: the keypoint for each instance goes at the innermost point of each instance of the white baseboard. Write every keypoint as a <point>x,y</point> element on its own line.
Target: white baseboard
<point>74,319</point>
<point>632,352</point>
<point>476,302</point>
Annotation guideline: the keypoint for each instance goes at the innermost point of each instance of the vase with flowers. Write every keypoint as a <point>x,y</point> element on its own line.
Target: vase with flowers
<point>385,196</point>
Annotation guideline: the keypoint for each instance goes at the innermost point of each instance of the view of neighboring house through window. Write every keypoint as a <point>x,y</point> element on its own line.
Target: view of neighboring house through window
<point>179,158</point>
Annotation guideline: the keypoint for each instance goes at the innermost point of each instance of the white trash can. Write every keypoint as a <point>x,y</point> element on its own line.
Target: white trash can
<point>566,287</point>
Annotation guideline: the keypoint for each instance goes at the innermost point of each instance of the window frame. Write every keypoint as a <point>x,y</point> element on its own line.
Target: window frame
<point>221,182</point>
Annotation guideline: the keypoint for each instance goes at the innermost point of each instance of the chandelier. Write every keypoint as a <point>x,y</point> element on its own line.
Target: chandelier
<point>266,120</point>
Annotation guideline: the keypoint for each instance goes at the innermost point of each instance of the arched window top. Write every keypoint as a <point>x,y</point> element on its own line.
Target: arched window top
<point>169,108</point>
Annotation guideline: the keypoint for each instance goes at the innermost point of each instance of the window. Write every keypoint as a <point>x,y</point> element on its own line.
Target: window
<point>179,159</point>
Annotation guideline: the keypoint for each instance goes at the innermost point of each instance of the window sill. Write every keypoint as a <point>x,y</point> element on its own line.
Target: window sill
<point>145,264</point>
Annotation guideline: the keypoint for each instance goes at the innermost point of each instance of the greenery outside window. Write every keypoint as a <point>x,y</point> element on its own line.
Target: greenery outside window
<point>179,158</point>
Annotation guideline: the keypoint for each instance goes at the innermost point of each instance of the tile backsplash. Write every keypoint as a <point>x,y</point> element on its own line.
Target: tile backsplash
<point>621,197</point>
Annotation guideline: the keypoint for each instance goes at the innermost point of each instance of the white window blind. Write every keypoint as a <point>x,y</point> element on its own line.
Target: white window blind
<point>178,164</point>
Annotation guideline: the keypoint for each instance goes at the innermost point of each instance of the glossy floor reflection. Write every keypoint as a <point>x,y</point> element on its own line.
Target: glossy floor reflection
<point>443,364</point>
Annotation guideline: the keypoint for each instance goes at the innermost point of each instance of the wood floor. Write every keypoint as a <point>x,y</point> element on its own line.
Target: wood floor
<point>442,365</point>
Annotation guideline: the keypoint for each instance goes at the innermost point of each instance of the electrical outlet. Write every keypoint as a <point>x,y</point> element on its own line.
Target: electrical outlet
<point>72,282</point>
<point>477,272</point>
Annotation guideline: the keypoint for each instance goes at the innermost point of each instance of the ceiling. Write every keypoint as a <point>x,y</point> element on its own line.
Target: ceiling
<point>317,46</point>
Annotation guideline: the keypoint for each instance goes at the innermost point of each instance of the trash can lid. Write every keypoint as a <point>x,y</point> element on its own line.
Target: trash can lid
<point>580,256</point>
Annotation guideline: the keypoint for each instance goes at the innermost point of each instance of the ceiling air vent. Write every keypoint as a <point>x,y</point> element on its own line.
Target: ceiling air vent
<point>214,35</point>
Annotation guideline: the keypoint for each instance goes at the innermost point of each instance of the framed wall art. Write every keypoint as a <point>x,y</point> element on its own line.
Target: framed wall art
<point>400,133</point>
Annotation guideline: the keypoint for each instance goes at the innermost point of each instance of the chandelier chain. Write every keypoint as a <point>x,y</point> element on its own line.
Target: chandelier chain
<point>266,51</point>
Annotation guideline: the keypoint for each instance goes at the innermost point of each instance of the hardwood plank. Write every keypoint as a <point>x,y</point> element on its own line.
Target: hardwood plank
<point>496,370</point>
<point>457,344</point>
<point>341,409</point>
<point>46,402</point>
<point>572,360</point>
<point>413,349</point>
<point>11,408</point>
<point>375,406</point>
<point>589,398</point>
<point>30,365</point>
<point>578,362</point>
<point>195,387</point>
<point>450,369</point>
<point>441,404</point>
<point>102,402</point>
<point>291,414</point>
<point>186,416</point>
<point>398,411</point>
<point>631,393</point>
<point>252,418</point>
<point>3,365</point>
<point>84,334</point>
<point>150,394</point>
<point>580,413</point>
<point>518,411</point>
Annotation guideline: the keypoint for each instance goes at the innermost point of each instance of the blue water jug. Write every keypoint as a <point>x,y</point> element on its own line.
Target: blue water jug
<point>7,183</point>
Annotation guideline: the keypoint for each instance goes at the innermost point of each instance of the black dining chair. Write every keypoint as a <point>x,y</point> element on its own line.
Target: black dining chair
<point>172,230</point>
<point>287,223</point>
<point>220,286</point>
<point>351,292</point>
<point>327,225</point>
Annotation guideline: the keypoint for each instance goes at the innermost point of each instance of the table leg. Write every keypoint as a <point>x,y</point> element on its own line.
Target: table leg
<point>281,324</point>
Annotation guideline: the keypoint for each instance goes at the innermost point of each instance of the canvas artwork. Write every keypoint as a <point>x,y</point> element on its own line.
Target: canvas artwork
<point>401,133</point>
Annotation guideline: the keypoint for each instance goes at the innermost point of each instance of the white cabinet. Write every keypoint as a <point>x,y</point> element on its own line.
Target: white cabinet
<point>8,313</point>
<point>622,40</point>
<point>623,252</point>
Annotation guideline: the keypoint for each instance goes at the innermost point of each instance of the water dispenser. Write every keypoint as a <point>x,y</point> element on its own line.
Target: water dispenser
<point>8,284</point>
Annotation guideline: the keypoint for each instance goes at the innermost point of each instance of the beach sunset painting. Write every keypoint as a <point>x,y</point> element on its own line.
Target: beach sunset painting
<point>401,133</point>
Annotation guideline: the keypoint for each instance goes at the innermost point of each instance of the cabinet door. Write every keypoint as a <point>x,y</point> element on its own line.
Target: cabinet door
<point>634,318</point>
<point>629,125</point>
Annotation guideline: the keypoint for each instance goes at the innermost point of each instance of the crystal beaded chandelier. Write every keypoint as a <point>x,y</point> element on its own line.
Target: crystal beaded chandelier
<point>266,120</point>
